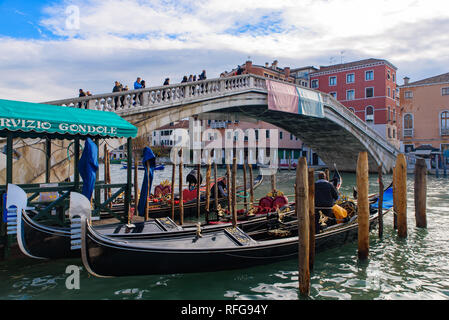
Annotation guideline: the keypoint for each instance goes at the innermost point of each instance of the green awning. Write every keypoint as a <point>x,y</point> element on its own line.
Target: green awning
<point>50,119</point>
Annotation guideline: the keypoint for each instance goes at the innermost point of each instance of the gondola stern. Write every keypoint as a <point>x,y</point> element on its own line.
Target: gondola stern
<point>16,204</point>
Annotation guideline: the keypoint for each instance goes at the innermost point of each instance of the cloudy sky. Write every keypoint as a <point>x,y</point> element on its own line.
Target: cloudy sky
<point>51,48</point>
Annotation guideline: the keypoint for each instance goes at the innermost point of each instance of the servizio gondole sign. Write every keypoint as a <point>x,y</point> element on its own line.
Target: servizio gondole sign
<point>54,127</point>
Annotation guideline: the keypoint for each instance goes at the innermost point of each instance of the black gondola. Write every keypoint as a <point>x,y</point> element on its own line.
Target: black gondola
<point>228,248</point>
<point>51,242</point>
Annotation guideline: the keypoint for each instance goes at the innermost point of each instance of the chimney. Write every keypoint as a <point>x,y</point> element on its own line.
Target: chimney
<point>406,80</point>
<point>248,65</point>
<point>275,64</point>
<point>287,72</point>
<point>267,65</point>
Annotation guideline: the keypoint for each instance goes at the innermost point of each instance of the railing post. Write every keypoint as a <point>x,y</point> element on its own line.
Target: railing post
<point>128,177</point>
<point>251,81</point>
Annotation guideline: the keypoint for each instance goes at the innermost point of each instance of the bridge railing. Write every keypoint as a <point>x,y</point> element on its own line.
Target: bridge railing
<point>163,95</point>
<point>357,122</point>
<point>191,91</point>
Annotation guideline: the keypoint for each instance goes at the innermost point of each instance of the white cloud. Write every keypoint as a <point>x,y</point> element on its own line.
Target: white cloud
<point>119,39</point>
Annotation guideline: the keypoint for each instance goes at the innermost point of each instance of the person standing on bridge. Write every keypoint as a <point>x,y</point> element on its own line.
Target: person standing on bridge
<point>166,83</point>
<point>81,94</point>
<point>117,88</point>
<point>202,76</point>
<point>137,86</point>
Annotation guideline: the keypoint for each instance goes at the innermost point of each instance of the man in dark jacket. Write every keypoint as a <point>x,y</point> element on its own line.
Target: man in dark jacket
<point>117,88</point>
<point>325,197</point>
<point>82,94</point>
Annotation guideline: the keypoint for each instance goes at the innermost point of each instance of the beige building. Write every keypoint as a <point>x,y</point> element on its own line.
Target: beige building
<point>424,119</point>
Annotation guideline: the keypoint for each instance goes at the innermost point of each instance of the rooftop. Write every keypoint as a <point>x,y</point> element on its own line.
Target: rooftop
<point>175,125</point>
<point>352,64</point>
<point>436,79</point>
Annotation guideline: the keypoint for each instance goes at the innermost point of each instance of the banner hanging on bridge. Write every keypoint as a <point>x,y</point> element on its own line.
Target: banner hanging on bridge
<point>282,97</point>
<point>290,98</point>
<point>310,103</point>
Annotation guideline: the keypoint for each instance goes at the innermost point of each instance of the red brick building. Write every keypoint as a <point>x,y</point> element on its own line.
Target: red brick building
<point>267,71</point>
<point>368,88</point>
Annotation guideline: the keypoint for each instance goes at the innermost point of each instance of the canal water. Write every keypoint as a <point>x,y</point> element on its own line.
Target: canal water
<point>413,268</point>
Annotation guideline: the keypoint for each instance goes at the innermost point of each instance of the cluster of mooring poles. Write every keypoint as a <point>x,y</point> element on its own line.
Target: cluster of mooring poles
<point>231,182</point>
<point>304,198</point>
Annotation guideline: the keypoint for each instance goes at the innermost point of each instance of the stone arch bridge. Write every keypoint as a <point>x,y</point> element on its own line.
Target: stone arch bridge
<point>337,137</point>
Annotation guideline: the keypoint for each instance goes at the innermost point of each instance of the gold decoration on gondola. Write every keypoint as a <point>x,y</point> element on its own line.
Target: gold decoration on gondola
<point>350,207</point>
<point>165,183</point>
<point>275,193</point>
<point>220,211</point>
<point>323,219</point>
<point>279,233</point>
<point>252,211</point>
<point>198,230</point>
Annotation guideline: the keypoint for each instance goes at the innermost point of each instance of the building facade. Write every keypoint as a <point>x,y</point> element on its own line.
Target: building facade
<point>267,71</point>
<point>290,148</point>
<point>424,122</point>
<point>302,75</point>
<point>367,88</point>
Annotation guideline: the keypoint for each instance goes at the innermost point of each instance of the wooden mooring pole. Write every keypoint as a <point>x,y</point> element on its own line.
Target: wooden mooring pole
<point>172,193</point>
<point>311,182</point>
<point>136,185</point>
<point>395,202</point>
<point>251,189</point>
<point>244,187</point>
<point>302,213</point>
<point>400,180</point>
<point>147,200</point>
<point>420,193</point>
<point>363,205</point>
<point>215,186</point>
<point>273,182</point>
<point>229,187</point>
<point>181,198</point>
<point>380,216</point>
<point>208,172</point>
<point>234,208</point>
<point>198,192</point>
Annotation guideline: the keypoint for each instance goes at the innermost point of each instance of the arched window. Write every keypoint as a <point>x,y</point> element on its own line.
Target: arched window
<point>369,114</point>
<point>444,123</point>
<point>408,125</point>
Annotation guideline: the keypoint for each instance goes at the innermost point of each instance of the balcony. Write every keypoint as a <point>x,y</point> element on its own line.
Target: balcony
<point>444,131</point>
<point>408,133</point>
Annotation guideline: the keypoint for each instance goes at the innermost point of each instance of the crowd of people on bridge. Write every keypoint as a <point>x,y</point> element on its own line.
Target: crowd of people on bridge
<point>139,84</point>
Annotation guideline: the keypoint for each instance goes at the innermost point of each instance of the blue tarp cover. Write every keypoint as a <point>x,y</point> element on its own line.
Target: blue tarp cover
<point>148,156</point>
<point>387,202</point>
<point>88,166</point>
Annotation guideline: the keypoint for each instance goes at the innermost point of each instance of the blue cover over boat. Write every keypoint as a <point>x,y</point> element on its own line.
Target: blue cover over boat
<point>148,156</point>
<point>88,166</point>
<point>387,201</point>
